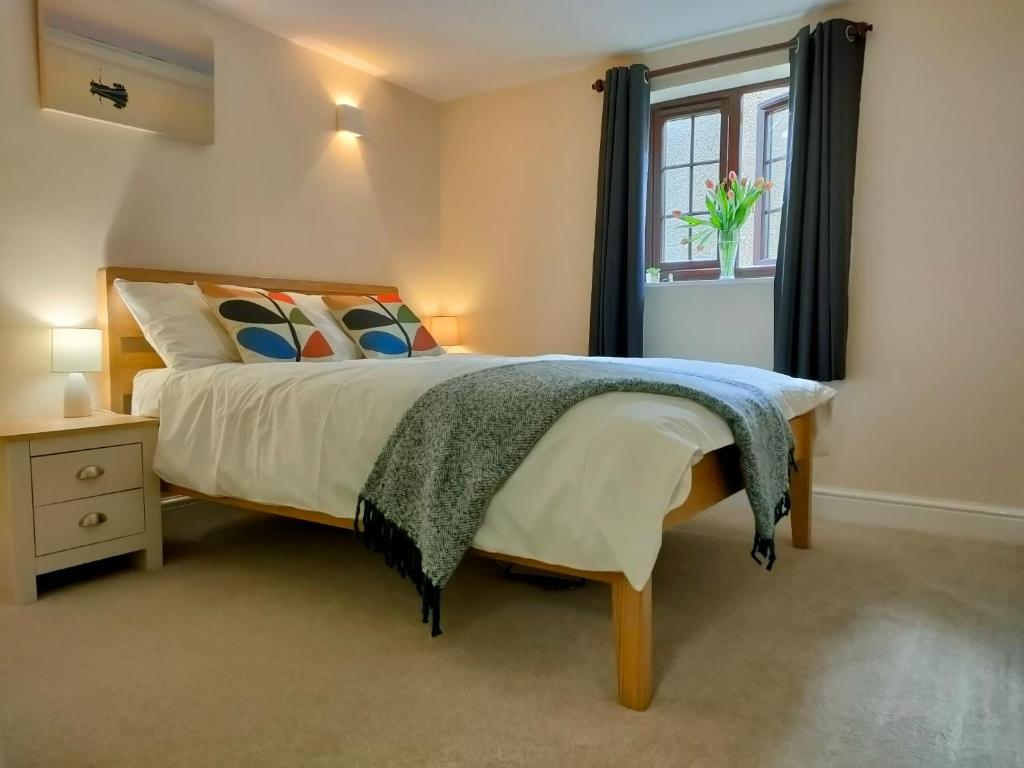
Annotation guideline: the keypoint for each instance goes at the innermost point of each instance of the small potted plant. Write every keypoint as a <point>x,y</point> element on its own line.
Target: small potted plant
<point>729,206</point>
<point>653,274</point>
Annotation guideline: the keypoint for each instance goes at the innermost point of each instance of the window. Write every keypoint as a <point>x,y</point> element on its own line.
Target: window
<point>705,137</point>
<point>772,141</point>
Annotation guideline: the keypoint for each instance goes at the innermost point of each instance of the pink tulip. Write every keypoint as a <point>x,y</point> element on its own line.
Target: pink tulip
<point>758,183</point>
<point>732,175</point>
<point>677,214</point>
<point>768,185</point>
<point>730,194</point>
<point>710,185</point>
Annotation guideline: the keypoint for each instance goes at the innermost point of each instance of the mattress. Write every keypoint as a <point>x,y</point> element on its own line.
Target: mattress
<point>591,495</point>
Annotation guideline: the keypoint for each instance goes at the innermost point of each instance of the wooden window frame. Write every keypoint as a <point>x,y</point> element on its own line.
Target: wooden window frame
<point>730,104</point>
<point>762,259</point>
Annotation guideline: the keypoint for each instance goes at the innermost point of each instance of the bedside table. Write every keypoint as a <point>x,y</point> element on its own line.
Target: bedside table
<point>73,491</point>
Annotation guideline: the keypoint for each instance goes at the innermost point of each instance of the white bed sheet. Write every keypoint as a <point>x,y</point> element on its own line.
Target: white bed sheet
<point>591,495</point>
<point>146,389</point>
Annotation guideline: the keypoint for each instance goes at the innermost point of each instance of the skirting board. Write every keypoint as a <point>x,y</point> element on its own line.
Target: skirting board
<point>915,513</point>
<point>944,517</point>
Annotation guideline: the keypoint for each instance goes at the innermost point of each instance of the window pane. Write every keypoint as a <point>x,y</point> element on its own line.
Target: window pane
<point>750,114</point>
<point>745,256</point>
<point>677,141</point>
<point>676,194</point>
<point>702,173</point>
<point>774,227</point>
<point>777,173</point>
<point>780,132</point>
<point>707,137</point>
<point>672,247</point>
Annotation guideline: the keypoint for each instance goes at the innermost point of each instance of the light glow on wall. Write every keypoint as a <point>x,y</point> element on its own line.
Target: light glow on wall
<point>339,55</point>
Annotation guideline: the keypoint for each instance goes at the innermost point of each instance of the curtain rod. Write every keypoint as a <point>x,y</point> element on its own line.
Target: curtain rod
<point>859,29</point>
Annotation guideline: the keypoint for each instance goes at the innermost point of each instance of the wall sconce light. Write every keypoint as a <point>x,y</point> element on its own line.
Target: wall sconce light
<point>445,330</point>
<point>75,351</point>
<point>350,120</point>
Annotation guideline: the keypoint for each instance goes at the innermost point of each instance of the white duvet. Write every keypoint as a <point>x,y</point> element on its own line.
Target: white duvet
<point>591,495</point>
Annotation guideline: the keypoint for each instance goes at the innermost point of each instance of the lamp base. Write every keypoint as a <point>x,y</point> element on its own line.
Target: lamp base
<point>77,400</point>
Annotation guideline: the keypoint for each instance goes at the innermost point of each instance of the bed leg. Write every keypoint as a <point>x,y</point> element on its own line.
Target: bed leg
<point>800,500</point>
<point>632,624</point>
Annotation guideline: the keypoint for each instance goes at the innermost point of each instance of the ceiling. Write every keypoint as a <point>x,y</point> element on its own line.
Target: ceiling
<point>444,49</point>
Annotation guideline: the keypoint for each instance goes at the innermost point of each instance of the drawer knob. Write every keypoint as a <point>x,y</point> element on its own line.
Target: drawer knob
<point>92,520</point>
<point>91,472</point>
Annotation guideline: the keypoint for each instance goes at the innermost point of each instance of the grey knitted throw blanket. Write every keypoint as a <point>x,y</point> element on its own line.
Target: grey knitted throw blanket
<point>462,439</point>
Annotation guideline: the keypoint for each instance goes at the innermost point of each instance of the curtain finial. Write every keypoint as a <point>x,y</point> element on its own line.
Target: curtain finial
<point>857,30</point>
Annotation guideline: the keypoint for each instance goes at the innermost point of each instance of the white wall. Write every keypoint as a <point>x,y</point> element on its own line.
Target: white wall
<point>519,190</point>
<point>932,406</point>
<point>279,193</point>
<point>718,320</point>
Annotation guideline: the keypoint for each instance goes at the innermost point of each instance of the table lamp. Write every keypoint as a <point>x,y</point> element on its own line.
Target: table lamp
<point>445,330</point>
<point>75,351</point>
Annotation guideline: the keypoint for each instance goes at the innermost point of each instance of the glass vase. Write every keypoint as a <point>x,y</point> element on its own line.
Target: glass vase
<point>728,244</point>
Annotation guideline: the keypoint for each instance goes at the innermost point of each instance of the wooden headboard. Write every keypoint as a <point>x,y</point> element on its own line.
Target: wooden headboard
<point>126,352</point>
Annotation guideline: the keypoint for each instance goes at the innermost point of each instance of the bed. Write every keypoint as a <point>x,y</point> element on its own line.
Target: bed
<point>558,512</point>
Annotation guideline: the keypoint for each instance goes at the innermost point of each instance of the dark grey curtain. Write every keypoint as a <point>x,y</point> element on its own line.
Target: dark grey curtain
<point>617,297</point>
<point>812,274</point>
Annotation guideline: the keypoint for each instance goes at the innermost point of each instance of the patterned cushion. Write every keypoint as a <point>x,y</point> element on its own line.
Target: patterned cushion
<point>266,326</point>
<point>383,326</point>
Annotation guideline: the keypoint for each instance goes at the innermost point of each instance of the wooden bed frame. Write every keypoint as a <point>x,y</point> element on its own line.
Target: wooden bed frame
<point>715,477</point>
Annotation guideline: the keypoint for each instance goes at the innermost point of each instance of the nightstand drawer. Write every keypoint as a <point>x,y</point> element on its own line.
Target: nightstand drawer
<point>89,521</point>
<point>80,474</point>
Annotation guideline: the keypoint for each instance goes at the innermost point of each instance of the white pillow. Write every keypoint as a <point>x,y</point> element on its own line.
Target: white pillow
<point>314,308</point>
<point>178,324</point>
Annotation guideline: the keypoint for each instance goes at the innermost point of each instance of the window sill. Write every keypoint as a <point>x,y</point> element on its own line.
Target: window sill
<point>734,281</point>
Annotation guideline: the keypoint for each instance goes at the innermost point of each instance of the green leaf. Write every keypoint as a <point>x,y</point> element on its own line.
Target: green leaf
<point>693,221</point>
<point>701,237</point>
<point>726,213</point>
<point>298,317</point>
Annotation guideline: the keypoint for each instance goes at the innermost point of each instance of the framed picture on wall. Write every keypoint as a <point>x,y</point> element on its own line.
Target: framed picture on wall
<point>121,62</point>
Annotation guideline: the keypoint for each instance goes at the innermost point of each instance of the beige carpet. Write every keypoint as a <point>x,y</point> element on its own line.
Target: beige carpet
<point>268,642</point>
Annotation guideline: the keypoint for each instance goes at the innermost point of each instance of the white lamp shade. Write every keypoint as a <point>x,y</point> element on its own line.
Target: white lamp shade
<point>350,119</point>
<point>76,350</point>
<point>445,330</point>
